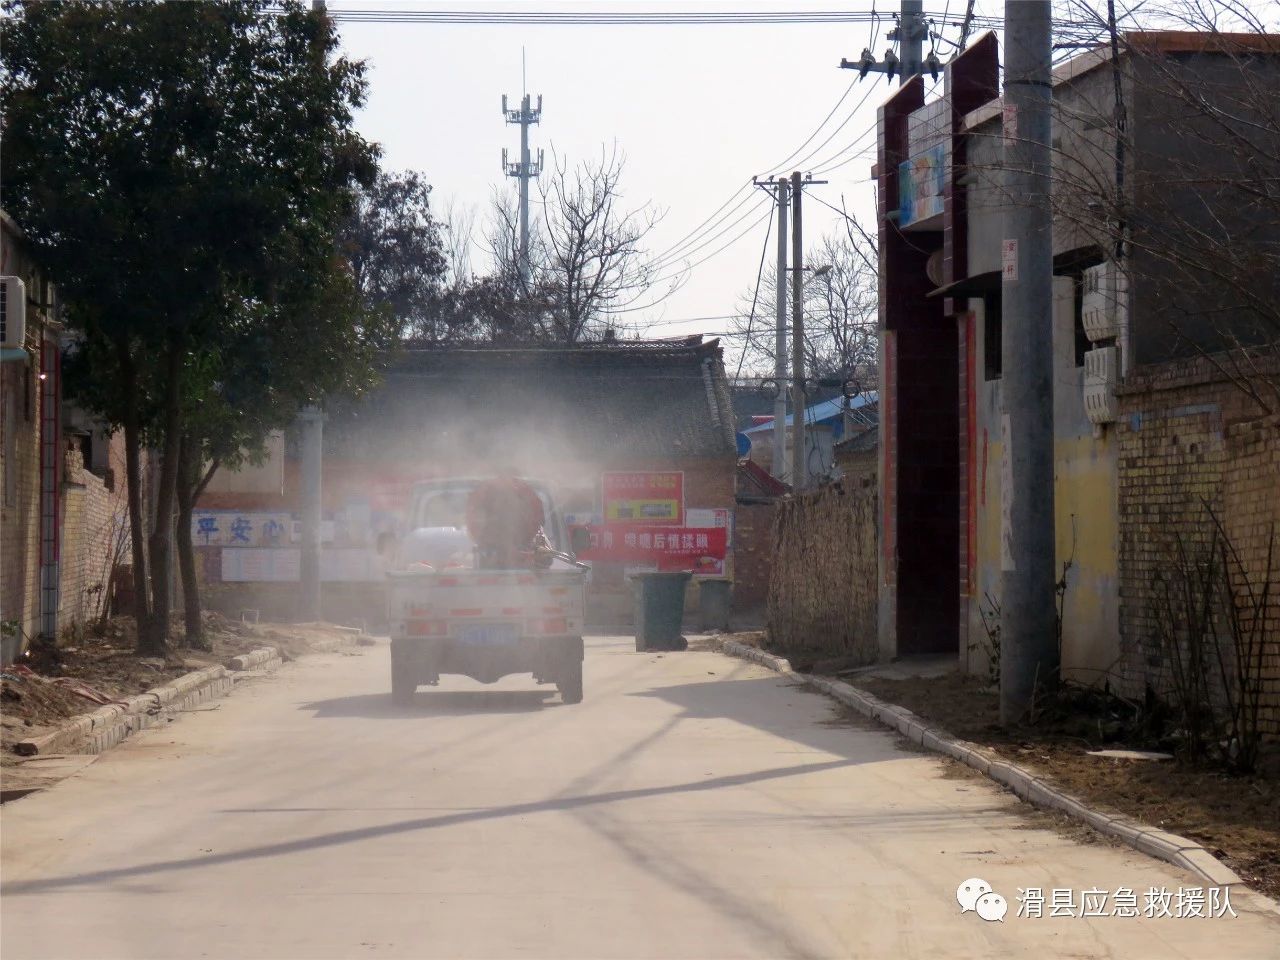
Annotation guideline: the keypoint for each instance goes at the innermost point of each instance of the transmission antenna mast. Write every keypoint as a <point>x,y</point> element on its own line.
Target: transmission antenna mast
<point>524,170</point>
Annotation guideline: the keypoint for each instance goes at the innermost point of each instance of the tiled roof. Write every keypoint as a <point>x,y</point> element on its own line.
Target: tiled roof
<point>600,402</point>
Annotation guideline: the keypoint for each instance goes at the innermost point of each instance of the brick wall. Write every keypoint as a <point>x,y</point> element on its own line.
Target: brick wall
<point>95,526</point>
<point>20,493</point>
<point>753,542</point>
<point>823,595</point>
<point>1192,440</point>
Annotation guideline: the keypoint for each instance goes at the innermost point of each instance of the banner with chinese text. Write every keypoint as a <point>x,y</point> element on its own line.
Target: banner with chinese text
<point>668,548</point>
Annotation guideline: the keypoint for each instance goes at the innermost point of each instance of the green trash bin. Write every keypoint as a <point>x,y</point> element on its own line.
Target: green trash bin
<point>713,603</point>
<point>660,610</point>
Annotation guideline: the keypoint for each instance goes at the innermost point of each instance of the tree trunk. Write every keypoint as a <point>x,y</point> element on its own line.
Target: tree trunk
<point>133,487</point>
<point>188,478</point>
<point>155,641</point>
<point>190,486</point>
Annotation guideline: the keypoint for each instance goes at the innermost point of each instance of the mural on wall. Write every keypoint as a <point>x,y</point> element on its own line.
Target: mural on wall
<point>922,185</point>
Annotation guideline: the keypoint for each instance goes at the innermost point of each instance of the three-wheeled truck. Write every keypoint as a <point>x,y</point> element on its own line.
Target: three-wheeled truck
<point>484,587</point>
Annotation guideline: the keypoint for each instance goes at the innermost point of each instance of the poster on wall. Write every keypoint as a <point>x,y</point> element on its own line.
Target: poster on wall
<point>647,497</point>
<point>922,185</point>
<point>717,518</point>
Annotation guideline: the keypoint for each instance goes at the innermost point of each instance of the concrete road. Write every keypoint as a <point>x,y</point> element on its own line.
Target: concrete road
<point>693,806</point>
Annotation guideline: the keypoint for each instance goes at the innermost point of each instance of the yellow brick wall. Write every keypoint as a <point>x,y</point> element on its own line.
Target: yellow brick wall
<point>20,490</point>
<point>1192,440</point>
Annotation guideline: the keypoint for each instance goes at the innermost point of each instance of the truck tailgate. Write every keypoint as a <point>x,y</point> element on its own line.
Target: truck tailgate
<point>480,603</point>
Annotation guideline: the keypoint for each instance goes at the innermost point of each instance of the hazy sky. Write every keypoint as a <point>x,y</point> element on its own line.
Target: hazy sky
<point>698,111</point>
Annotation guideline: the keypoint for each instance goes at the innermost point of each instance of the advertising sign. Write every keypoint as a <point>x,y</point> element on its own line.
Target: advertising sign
<point>643,497</point>
<point>231,528</point>
<point>922,185</point>
<point>712,517</point>
<point>666,548</point>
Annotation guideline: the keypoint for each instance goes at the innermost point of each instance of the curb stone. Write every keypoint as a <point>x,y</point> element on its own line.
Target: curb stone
<point>108,726</point>
<point>1160,844</point>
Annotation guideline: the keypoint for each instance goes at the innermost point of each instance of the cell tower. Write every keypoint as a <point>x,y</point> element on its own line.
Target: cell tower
<point>525,170</point>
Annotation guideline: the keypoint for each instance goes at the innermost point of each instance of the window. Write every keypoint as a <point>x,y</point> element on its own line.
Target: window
<point>1082,339</point>
<point>992,334</point>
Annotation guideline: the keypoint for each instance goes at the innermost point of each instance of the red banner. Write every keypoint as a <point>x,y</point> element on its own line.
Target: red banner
<point>670,548</point>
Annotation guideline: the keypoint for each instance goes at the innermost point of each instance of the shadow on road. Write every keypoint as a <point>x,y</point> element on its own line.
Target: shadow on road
<point>755,703</point>
<point>428,702</point>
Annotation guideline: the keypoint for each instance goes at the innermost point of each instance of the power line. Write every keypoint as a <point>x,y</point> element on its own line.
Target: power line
<point>618,18</point>
<point>755,297</point>
<point>716,219</point>
<point>685,271</point>
<point>666,261</point>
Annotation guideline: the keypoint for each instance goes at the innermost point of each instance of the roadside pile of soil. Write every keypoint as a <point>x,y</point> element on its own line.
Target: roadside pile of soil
<point>1236,817</point>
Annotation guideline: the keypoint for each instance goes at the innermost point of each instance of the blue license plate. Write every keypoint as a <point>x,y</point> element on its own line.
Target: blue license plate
<point>488,634</point>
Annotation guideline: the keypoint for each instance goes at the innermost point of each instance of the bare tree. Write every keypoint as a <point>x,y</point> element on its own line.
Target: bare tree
<point>1172,170</point>
<point>592,263</point>
<point>840,310</point>
<point>588,266</point>
<point>458,221</point>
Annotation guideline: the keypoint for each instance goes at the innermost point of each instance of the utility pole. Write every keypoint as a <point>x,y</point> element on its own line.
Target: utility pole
<point>780,340</point>
<point>311,421</point>
<point>799,475</point>
<point>524,170</point>
<point>1029,658</point>
<point>909,34</point>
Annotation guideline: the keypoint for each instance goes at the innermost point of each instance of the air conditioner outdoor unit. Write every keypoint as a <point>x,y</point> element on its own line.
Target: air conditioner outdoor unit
<point>13,313</point>
<point>1100,385</point>
<point>1102,301</point>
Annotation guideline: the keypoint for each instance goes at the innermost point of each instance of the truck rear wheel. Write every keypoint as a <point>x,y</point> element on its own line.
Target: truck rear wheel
<point>404,681</point>
<point>570,683</point>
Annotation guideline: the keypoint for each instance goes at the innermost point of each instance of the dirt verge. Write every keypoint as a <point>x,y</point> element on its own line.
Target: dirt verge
<point>1237,818</point>
<point>50,685</point>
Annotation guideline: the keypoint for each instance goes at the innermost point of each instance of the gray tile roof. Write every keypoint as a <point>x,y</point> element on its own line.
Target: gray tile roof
<point>602,402</point>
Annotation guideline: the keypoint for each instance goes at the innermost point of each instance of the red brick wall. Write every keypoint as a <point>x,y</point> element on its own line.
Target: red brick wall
<point>753,548</point>
<point>708,483</point>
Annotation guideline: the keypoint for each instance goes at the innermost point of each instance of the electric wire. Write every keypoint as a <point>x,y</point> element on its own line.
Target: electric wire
<point>755,297</point>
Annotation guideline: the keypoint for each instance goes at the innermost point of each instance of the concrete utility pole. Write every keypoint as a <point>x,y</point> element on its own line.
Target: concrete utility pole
<point>909,34</point>
<point>525,170</point>
<point>799,475</point>
<point>1029,657</point>
<point>311,422</point>
<point>780,340</point>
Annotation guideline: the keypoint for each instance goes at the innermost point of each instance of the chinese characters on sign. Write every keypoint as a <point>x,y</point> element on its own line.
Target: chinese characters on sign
<point>655,498</point>
<point>671,548</point>
<point>1009,260</point>
<point>228,528</point>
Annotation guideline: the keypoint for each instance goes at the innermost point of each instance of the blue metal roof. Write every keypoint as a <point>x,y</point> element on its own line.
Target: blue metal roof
<point>827,412</point>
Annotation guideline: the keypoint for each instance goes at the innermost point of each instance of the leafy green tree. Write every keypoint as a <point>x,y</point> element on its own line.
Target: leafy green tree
<point>172,162</point>
<point>397,256</point>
